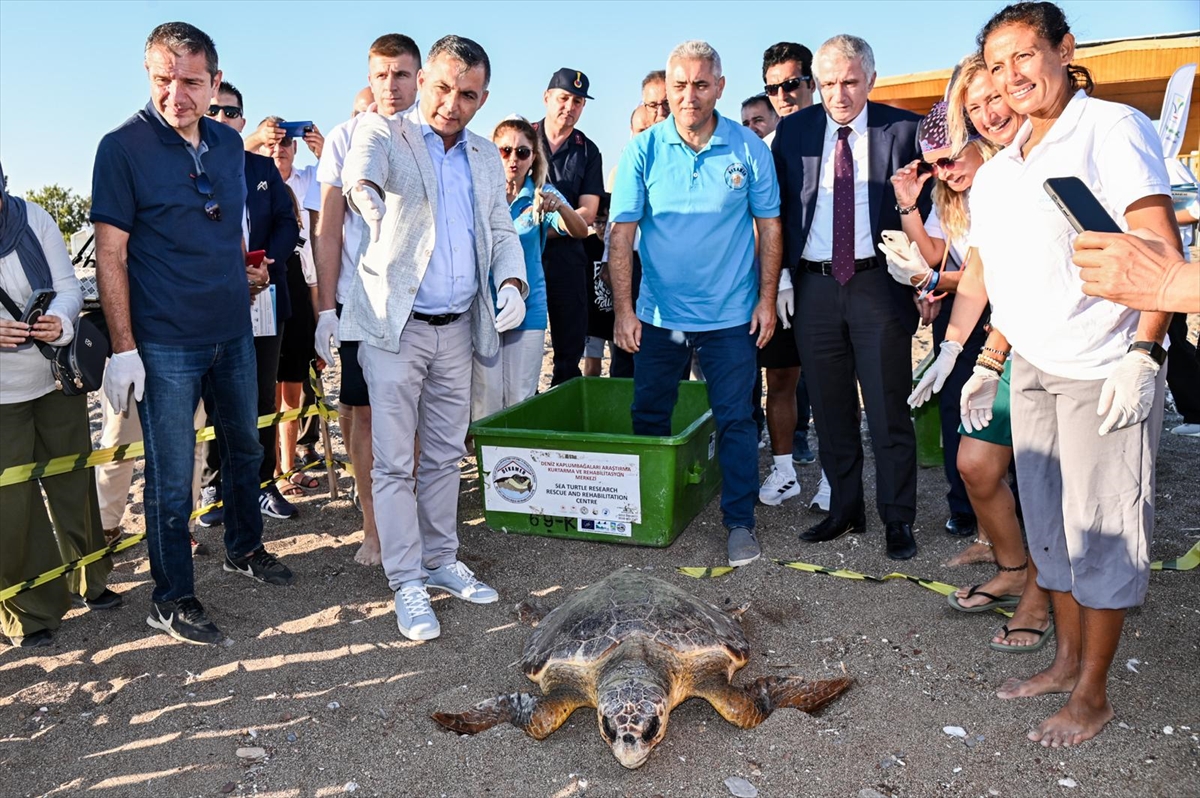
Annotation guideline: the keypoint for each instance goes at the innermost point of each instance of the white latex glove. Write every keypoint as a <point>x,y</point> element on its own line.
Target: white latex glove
<point>1128,394</point>
<point>124,375</point>
<point>785,305</point>
<point>370,207</point>
<point>511,308</point>
<point>978,396</point>
<point>327,331</point>
<point>936,375</point>
<point>906,265</point>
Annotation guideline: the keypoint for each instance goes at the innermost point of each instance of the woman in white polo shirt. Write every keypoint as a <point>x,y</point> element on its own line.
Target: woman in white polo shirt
<point>1087,383</point>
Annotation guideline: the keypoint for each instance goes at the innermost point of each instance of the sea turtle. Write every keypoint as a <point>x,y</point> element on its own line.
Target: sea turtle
<point>635,647</point>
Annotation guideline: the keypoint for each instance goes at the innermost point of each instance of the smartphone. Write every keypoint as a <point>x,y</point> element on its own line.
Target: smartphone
<point>255,258</point>
<point>896,240</point>
<point>296,130</point>
<point>1080,206</point>
<point>38,304</point>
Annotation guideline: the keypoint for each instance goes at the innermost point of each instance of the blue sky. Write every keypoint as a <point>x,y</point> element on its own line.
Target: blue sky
<point>69,72</point>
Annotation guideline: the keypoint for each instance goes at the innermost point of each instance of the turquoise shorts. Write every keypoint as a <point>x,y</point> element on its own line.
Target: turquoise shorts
<point>999,431</point>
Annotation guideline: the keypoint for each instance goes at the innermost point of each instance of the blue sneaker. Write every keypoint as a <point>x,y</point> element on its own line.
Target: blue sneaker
<point>273,505</point>
<point>801,454</point>
<point>215,516</point>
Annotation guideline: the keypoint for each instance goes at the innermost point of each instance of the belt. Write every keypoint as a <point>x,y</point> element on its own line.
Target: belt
<point>825,267</point>
<point>436,321</point>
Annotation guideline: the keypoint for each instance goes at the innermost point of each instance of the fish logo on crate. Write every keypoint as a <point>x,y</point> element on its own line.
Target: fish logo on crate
<point>514,480</point>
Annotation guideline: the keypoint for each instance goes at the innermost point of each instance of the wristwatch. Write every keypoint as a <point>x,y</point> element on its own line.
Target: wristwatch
<point>1155,351</point>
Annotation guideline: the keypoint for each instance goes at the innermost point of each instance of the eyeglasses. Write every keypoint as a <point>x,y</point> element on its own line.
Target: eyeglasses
<point>231,111</point>
<point>661,105</point>
<point>212,209</point>
<point>523,153</point>
<point>788,86</point>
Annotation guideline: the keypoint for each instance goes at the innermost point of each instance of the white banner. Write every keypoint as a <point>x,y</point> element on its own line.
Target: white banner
<point>586,485</point>
<point>1172,121</point>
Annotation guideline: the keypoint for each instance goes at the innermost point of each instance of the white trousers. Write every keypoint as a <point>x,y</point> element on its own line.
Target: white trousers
<point>509,376</point>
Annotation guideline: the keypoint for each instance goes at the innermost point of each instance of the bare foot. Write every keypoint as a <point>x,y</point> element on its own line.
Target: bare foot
<point>1044,683</point>
<point>1073,724</point>
<point>368,552</point>
<point>1002,584</point>
<point>976,552</point>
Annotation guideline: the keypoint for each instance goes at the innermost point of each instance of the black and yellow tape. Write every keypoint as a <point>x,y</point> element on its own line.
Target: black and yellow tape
<point>73,565</point>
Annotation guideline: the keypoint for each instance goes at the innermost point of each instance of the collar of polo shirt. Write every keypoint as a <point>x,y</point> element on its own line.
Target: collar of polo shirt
<point>1063,127</point>
<point>169,135</point>
<point>858,124</point>
<point>718,139</point>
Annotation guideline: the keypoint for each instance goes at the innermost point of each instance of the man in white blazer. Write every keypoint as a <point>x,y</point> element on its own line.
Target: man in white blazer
<point>438,229</point>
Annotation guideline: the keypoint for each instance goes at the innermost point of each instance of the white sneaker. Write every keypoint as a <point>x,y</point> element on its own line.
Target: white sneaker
<point>778,487</point>
<point>1190,430</point>
<point>414,613</point>
<point>821,500</point>
<point>459,581</point>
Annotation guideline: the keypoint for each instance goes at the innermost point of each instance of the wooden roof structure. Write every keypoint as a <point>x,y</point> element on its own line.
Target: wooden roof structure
<point>1131,71</point>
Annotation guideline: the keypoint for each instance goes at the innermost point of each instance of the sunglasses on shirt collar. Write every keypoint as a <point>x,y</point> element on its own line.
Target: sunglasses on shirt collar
<point>231,111</point>
<point>212,208</point>
<point>788,86</point>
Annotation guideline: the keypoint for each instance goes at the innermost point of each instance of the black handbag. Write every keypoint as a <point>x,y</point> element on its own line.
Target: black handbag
<point>78,367</point>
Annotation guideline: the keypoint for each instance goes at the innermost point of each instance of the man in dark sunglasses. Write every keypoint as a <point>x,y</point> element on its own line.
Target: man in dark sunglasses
<point>787,77</point>
<point>168,196</point>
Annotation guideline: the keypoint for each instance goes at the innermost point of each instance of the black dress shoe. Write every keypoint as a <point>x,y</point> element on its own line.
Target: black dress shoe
<point>961,525</point>
<point>42,637</point>
<point>900,543</point>
<point>833,528</point>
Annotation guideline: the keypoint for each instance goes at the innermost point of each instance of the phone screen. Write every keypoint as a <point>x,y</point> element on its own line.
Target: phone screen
<point>1080,206</point>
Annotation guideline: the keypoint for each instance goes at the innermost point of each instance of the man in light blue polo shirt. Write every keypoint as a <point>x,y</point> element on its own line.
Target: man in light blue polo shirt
<point>698,186</point>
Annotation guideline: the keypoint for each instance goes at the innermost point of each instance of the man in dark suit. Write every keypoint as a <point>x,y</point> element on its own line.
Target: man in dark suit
<point>852,321</point>
<point>271,224</point>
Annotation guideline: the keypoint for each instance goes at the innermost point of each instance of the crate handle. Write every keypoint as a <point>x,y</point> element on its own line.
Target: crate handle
<point>695,474</point>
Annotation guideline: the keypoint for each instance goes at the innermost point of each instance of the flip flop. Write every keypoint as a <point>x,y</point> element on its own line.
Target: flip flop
<point>996,601</point>
<point>302,480</point>
<point>1043,636</point>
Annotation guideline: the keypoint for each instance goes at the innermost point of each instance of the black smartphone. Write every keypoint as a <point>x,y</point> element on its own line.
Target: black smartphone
<point>1080,206</point>
<point>38,304</point>
<point>296,130</point>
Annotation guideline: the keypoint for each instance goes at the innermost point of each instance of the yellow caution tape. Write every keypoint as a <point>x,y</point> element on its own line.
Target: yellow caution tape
<point>73,565</point>
<point>707,573</point>
<point>928,584</point>
<point>1185,563</point>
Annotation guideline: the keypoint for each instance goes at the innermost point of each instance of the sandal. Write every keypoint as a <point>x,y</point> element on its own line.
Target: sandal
<point>303,480</point>
<point>1043,635</point>
<point>995,602</point>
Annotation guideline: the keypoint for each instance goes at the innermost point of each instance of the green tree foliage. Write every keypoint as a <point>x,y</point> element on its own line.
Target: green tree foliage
<point>68,209</point>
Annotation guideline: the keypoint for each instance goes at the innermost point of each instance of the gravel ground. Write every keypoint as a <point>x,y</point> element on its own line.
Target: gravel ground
<point>318,678</point>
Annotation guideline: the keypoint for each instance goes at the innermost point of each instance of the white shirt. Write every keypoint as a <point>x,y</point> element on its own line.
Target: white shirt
<point>958,246</point>
<point>1179,174</point>
<point>329,172</point>
<point>25,373</point>
<point>819,246</point>
<point>301,183</point>
<point>1024,241</point>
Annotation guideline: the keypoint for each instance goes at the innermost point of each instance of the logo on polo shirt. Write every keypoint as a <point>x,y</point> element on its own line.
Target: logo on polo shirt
<point>736,176</point>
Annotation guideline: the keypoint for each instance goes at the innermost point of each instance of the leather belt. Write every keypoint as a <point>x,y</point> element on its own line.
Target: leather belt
<point>436,321</point>
<point>825,267</point>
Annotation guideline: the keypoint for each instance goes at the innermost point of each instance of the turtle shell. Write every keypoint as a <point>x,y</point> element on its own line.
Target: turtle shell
<point>629,604</point>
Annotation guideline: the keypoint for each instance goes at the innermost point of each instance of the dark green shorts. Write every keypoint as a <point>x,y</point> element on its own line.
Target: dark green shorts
<point>999,431</point>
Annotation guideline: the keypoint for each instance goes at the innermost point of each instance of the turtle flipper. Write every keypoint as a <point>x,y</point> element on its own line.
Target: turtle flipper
<point>537,716</point>
<point>750,705</point>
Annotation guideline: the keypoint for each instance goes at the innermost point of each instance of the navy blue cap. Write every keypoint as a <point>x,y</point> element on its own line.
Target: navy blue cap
<point>571,80</point>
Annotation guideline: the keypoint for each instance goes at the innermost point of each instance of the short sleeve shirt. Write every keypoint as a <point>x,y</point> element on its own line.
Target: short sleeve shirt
<point>575,170</point>
<point>1025,243</point>
<point>187,274</point>
<point>696,213</point>
<point>533,241</point>
<point>329,173</point>
<point>958,246</point>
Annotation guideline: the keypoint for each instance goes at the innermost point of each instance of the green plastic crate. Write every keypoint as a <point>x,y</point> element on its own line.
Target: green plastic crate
<point>574,430</point>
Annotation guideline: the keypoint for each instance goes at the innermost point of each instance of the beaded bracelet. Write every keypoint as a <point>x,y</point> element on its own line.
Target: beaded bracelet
<point>990,363</point>
<point>1000,352</point>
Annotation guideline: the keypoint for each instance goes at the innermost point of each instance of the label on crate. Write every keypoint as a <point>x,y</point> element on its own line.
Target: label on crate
<point>604,489</point>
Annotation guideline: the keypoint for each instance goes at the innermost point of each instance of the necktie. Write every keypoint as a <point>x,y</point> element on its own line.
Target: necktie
<point>843,208</point>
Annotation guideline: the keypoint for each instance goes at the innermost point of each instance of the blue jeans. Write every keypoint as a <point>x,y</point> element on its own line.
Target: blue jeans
<point>729,360</point>
<point>177,377</point>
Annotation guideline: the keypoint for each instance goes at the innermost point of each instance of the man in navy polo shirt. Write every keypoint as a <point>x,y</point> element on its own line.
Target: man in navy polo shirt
<point>577,171</point>
<point>699,186</point>
<point>168,196</point>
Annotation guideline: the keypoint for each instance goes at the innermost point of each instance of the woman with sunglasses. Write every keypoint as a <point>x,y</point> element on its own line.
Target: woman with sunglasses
<point>984,455</point>
<point>538,211</point>
<point>1087,377</point>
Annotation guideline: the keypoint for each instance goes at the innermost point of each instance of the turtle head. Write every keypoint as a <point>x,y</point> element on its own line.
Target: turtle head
<point>633,719</point>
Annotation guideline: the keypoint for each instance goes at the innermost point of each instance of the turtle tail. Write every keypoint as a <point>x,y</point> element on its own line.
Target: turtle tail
<point>514,708</point>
